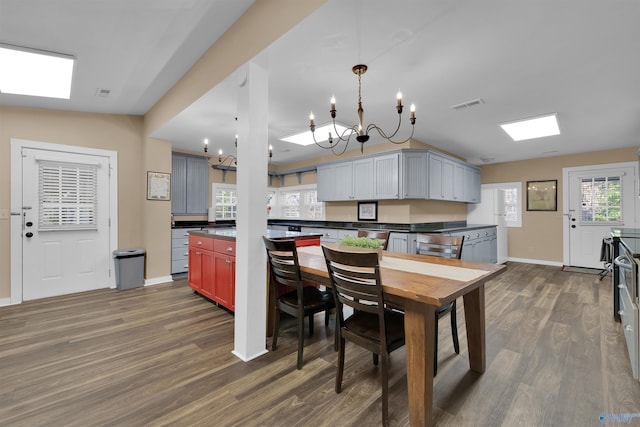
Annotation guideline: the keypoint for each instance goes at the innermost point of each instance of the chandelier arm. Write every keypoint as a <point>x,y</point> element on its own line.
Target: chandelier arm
<point>330,147</point>
<point>340,136</point>
<point>346,140</point>
<point>388,138</point>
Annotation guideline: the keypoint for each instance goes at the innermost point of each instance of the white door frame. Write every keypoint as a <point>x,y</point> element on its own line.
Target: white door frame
<point>16,204</point>
<point>565,199</point>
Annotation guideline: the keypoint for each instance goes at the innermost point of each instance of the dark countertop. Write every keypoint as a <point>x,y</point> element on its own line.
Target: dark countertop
<point>229,233</point>
<point>424,227</point>
<point>630,238</point>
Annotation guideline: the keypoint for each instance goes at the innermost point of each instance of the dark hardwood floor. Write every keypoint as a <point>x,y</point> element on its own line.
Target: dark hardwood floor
<point>162,356</point>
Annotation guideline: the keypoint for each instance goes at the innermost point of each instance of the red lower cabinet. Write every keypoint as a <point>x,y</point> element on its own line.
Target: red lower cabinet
<point>212,269</point>
<point>225,280</point>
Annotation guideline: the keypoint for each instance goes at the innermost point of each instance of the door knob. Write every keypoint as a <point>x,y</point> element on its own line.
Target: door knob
<point>573,226</point>
<point>29,234</point>
<point>29,224</point>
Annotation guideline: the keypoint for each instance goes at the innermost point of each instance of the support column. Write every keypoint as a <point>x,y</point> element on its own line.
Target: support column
<point>251,219</point>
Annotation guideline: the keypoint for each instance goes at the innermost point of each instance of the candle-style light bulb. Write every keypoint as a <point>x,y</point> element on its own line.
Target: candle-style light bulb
<point>311,119</point>
<point>399,98</point>
<point>220,152</point>
<point>413,111</point>
<point>206,145</point>
<point>333,102</point>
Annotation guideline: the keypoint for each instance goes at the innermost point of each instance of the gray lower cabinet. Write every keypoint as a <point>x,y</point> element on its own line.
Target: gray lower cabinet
<point>480,245</point>
<point>402,242</point>
<point>189,184</point>
<point>180,250</point>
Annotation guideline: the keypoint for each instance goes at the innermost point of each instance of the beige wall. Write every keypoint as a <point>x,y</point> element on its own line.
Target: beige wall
<point>540,237</point>
<point>109,132</point>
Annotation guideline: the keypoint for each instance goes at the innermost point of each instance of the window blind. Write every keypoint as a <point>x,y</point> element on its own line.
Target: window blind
<point>67,195</point>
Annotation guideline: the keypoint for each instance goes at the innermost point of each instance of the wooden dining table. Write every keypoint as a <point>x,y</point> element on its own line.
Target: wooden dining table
<point>420,283</point>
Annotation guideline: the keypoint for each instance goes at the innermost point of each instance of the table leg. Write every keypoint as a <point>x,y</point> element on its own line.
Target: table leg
<point>474,319</point>
<point>419,326</point>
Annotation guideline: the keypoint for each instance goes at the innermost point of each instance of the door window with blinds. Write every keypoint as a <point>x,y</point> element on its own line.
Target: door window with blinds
<point>601,200</point>
<point>67,196</point>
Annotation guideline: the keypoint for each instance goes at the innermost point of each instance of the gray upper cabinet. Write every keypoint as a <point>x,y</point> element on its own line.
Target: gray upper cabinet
<point>189,184</point>
<point>386,176</point>
<point>415,179</point>
<point>344,181</point>
<point>178,183</point>
<point>404,174</point>
<point>472,184</point>
<point>453,180</point>
<point>326,183</point>
<point>363,179</point>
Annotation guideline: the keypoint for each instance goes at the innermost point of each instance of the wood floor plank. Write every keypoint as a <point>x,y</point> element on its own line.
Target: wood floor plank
<point>161,356</point>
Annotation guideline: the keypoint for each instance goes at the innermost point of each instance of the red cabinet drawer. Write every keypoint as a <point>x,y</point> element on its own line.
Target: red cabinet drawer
<point>201,242</point>
<point>310,241</point>
<point>224,247</point>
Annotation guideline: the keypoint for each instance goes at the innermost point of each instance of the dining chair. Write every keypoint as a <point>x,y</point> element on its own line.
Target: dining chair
<point>355,282</point>
<point>446,247</point>
<point>376,234</point>
<point>299,299</point>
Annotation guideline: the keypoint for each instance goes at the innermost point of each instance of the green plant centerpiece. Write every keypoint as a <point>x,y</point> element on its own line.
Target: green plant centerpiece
<point>365,243</point>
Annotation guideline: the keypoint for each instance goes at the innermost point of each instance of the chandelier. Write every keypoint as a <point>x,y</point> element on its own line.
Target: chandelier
<point>228,161</point>
<point>360,131</point>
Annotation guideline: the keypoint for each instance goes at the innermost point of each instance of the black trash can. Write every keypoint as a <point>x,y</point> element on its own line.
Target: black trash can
<point>129,268</point>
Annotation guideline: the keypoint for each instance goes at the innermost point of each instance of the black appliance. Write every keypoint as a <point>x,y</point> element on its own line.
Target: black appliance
<point>625,245</point>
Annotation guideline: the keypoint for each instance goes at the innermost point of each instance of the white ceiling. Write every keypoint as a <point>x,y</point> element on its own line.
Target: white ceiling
<point>578,58</point>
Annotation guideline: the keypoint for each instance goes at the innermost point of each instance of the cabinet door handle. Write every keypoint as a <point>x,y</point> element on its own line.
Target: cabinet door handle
<point>621,286</point>
<point>229,249</point>
<point>198,253</point>
<point>620,313</point>
<point>628,328</point>
<point>186,243</point>
<point>227,261</point>
<point>199,243</point>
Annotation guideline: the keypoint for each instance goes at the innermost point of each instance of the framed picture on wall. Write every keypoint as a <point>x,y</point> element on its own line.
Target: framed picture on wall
<point>542,195</point>
<point>367,211</point>
<point>158,186</point>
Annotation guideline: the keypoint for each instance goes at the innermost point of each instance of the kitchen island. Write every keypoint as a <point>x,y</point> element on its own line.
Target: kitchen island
<point>212,260</point>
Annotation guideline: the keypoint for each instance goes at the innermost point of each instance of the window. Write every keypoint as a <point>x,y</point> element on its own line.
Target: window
<point>601,199</point>
<point>512,203</point>
<point>225,202</point>
<point>67,196</point>
<point>300,202</point>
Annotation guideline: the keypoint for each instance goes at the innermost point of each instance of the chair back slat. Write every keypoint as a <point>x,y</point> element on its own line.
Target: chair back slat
<point>439,245</point>
<point>355,280</point>
<point>283,262</point>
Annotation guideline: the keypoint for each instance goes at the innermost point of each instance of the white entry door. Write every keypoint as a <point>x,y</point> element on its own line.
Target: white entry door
<point>598,200</point>
<point>65,223</point>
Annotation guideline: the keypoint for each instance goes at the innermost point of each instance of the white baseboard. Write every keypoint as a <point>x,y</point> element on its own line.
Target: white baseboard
<point>536,261</point>
<point>5,301</point>
<point>157,280</point>
<point>248,358</point>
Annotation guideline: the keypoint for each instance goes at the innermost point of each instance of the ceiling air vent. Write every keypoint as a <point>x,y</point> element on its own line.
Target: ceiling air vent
<point>468,104</point>
<point>103,93</point>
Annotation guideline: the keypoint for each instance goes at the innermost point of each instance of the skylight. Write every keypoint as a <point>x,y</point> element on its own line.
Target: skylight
<point>535,127</point>
<point>32,72</point>
<point>322,134</point>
